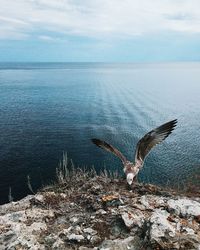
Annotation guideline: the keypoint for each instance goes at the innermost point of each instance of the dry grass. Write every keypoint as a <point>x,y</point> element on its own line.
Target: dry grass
<point>10,198</point>
<point>71,178</point>
<point>66,172</point>
<point>191,186</point>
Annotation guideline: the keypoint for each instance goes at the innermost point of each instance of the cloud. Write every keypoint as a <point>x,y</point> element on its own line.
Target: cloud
<point>99,19</point>
<point>49,38</point>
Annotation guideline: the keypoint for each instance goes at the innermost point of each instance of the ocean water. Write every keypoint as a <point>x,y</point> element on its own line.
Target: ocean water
<point>50,108</point>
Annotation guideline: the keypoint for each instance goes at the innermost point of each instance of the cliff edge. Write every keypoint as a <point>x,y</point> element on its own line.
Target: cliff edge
<point>98,212</point>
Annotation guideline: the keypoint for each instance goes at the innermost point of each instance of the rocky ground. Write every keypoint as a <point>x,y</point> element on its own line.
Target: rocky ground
<point>95,212</point>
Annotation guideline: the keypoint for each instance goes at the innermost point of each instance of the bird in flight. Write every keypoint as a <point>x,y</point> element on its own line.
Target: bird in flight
<point>144,146</point>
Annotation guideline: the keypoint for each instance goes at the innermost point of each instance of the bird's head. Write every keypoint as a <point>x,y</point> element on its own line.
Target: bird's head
<point>130,178</point>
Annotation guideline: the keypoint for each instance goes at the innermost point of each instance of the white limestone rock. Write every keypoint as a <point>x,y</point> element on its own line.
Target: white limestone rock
<point>132,218</point>
<point>58,244</point>
<point>160,228</point>
<point>76,237</point>
<point>184,207</point>
<point>90,231</point>
<point>130,243</point>
<point>152,201</point>
<point>20,228</point>
<point>15,206</point>
<point>101,211</point>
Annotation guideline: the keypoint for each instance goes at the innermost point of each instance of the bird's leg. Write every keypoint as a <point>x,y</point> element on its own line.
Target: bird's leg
<point>129,187</point>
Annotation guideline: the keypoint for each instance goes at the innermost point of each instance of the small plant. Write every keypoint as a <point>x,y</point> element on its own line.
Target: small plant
<point>10,198</point>
<point>70,177</point>
<point>29,184</point>
<point>62,171</point>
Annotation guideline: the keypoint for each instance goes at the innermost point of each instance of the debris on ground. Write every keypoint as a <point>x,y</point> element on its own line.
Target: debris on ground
<point>102,214</point>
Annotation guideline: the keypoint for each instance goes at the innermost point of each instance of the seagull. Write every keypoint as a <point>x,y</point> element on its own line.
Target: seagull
<point>143,148</point>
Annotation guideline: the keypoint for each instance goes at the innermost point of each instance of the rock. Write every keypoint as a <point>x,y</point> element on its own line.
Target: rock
<point>50,239</point>
<point>101,211</point>
<point>165,234</point>
<point>87,248</point>
<point>131,243</point>
<point>71,231</point>
<point>58,245</point>
<point>84,218</point>
<point>189,243</point>
<point>72,234</point>
<point>39,198</point>
<point>66,231</point>
<point>74,219</point>
<point>95,239</point>
<point>15,206</point>
<point>114,211</point>
<point>161,231</point>
<point>189,230</point>
<point>184,207</point>
<point>152,201</point>
<point>76,237</point>
<point>63,195</point>
<point>22,227</point>
<point>89,231</point>
<point>133,218</point>
<point>97,188</point>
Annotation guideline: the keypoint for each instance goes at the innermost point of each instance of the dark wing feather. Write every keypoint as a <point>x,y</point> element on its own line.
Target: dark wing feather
<point>109,148</point>
<point>153,138</point>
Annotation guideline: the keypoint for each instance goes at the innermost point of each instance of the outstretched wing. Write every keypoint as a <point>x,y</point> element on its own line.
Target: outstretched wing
<point>109,148</point>
<point>153,138</point>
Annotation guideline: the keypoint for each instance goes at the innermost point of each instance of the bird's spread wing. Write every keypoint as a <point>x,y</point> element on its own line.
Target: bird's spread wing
<point>153,138</point>
<point>109,148</point>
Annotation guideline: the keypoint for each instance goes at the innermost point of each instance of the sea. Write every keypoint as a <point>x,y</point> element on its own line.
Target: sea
<point>51,109</point>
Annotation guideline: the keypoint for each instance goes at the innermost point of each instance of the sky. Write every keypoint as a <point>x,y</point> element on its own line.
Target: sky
<point>99,30</point>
